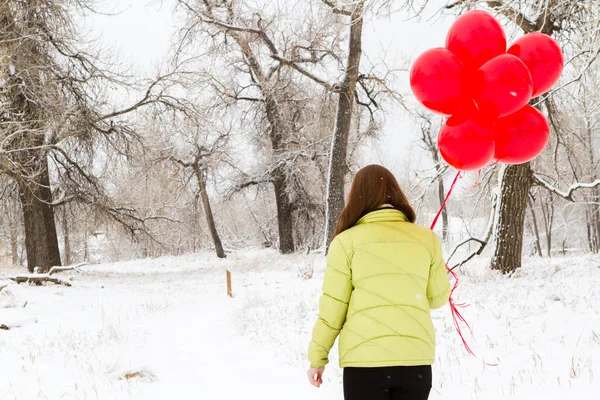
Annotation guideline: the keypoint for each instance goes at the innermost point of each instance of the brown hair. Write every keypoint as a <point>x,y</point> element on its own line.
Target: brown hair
<point>372,187</point>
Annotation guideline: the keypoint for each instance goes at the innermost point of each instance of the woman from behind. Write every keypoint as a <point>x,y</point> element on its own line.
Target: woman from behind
<point>384,274</point>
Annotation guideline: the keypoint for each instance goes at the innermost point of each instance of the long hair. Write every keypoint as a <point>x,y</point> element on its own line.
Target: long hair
<point>372,187</point>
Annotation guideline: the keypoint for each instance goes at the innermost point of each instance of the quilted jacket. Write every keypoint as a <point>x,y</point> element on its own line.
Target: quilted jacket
<point>383,277</point>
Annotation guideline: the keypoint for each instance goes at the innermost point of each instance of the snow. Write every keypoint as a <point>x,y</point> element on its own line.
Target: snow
<point>164,328</point>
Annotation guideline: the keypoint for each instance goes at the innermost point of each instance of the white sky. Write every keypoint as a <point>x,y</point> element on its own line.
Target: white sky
<point>141,35</point>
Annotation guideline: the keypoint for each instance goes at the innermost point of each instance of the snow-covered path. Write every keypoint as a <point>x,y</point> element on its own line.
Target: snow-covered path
<point>201,355</point>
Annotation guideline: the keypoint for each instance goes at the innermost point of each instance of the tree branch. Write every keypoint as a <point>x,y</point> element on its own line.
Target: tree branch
<point>526,25</point>
<point>453,5</point>
<point>76,268</point>
<point>518,18</point>
<point>210,19</point>
<point>336,9</point>
<point>144,101</point>
<point>304,72</point>
<point>482,243</point>
<point>568,195</point>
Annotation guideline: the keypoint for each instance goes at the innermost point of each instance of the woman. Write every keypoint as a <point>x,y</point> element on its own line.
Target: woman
<point>383,276</point>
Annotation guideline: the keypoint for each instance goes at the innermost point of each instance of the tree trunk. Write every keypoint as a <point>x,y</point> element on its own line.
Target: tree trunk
<point>536,231</point>
<point>593,221</point>
<point>210,220</point>
<point>86,250</point>
<point>339,145</point>
<point>516,182</point>
<point>14,245</point>
<point>593,213</point>
<point>11,229</point>
<point>548,214</point>
<point>285,208</point>
<point>66,237</point>
<point>285,221</point>
<point>41,240</point>
<point>277,129</point>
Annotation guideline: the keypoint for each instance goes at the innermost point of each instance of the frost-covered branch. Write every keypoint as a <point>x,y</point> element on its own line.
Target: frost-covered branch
<point>76,268</point>
<point>567,195</point>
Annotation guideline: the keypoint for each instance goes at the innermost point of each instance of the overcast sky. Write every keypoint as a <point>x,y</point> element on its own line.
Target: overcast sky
<point>141,34</point>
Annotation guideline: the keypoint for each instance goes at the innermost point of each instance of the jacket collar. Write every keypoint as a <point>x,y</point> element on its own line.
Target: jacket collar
<point>383,215</point>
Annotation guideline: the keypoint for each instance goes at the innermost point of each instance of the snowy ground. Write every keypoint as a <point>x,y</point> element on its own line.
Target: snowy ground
<point>157,329</point>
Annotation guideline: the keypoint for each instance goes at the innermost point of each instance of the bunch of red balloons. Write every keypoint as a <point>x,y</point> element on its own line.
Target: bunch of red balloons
<point>485,90</point>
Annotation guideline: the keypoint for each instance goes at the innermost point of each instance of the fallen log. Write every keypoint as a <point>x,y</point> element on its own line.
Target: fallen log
<point>38,279</point>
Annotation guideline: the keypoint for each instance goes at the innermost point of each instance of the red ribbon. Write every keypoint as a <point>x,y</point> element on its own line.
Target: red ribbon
<point>456,315</point>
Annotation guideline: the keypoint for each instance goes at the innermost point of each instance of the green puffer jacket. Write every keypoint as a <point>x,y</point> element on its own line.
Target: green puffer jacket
<point>383,277</point>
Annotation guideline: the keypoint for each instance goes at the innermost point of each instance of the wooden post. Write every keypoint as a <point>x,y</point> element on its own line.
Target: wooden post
<point>229,290</point>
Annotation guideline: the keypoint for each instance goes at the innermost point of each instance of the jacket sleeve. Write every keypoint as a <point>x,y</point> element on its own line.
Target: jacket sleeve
<point>333,305</point>
<point>438,285</point>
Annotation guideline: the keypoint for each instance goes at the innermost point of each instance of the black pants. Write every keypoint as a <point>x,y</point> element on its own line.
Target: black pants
<point>387,383</point>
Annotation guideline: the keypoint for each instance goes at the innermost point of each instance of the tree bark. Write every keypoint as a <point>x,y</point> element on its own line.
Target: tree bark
<point>339,145</point>
<point>593,221</point>
<point>210,220</point>
<point>593,213</point>
<point>41,241</point>
<point>516,182</point>
<point>285,221</point>
<point>285,209</point>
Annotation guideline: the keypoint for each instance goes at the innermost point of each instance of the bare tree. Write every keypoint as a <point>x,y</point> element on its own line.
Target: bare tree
<point>30,100</point>
<point>203,154</point>
<point>273,78</point>
<point>54,117</point>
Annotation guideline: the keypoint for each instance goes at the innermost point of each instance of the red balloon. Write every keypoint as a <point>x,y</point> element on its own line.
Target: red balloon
<point>435,79</point>
<point>502,86</point>
<point>466,143</point>
<point>543,57</point>
<point>476,37</point>
<point>522,136</point>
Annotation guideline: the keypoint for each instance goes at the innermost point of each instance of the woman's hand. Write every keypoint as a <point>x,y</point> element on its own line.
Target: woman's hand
<point>315,376</point>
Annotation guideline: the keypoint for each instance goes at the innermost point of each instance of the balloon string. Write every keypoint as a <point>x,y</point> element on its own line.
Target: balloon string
<point>478,182</point>
<point>457,317</point>
<point>437,216</point>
